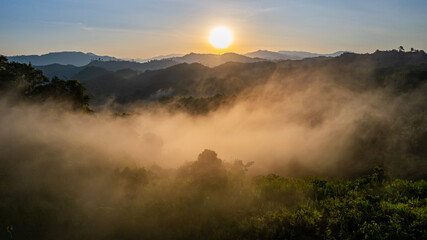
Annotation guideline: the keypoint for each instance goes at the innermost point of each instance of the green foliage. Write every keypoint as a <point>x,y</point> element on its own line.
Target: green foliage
<point>364,208</point>
<point>207,173</point>
<point>32,85</point>
<point>21,77</point>
<point>59,90</point>
<point>205,199</point>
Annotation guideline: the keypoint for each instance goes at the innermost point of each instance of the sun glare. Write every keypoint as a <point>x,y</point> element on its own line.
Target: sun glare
<point>220,37</point>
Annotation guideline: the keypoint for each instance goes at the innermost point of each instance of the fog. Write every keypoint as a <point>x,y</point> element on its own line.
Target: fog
<point>311,130</point>
<point>166,172</point>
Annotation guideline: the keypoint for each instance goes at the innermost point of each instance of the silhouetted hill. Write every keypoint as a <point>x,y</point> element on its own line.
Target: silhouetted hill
<point>61,71</point>
<point>179,79</point>
<point>118,65</point>
<point>27,84</point>
<point>69,71</point>
<point>269,55</point>
<point>160,57</point>
<point>64,58</point>
<point>288,55</point>
<point>212,60</point>
<point>392,58</point>
<point>90,72</point>
<point>97,68</point>
<point>302,54</point>
<point>127,73</point>
<point>80,59</point>
<point>354,71</point>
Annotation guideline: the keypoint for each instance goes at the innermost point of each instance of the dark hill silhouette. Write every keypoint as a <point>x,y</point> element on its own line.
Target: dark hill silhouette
<point>160,57</point>
<point>118,65</point>
<point>127,73</point>
<point>355,71</point>
<point>90,72</point>
<point>64,58</point>
<point>61,71</point>
<point>288,55</point>
<point>112,64</point>
<point>269,55</point>
<point>212,60</point>
<point>81,59</point>
<point>302,54</point>
<point>27,84</point>
<point>181,77</point>
<point>73,72</point>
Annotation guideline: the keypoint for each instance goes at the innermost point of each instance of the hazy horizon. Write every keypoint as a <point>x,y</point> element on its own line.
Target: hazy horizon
<point>170,55</point>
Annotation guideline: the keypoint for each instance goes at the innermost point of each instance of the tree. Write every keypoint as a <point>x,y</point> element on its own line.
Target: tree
<point>30,83</point>
<point>66,91</point>
<point>208,172</point>
<point>19,77</point>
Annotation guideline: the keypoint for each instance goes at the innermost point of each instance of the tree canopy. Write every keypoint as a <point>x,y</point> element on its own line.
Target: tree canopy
<point>30,84</point>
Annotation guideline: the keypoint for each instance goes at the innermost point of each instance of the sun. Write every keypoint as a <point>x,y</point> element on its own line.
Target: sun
<point>220,37</point>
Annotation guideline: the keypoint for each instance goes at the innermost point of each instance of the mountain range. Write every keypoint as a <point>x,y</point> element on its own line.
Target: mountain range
<point>352,71</point>
<point>64,58</point>
<point>66,65</point>
<point>79,59</point>
<point>288,55</point>
<point>160,57</point>
<point>199,74</point>
<point>213,60</point>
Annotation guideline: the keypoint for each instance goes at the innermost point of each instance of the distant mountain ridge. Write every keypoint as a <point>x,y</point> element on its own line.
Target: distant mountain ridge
<point>68,65</point>
<point>160,57</point>
<point>209,60</point>
<point>204,75</point>
<point>94,67</point>
<point>118,65</point>
<point>289,55</point>
<point>197,80</point>
<point>213,60</point>
<point>303,54</point>
<point>64,58</point>
<point>62,71</point>
<point>80,59</point>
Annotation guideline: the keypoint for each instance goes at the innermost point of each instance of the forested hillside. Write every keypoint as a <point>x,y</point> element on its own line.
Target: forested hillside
<point>26,83</point>
<point>205,199</point>
<point>395,70</point>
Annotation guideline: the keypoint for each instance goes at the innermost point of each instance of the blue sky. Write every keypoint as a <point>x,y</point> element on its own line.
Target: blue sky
<point>146,28</point>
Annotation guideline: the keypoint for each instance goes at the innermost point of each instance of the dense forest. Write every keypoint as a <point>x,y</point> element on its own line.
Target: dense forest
<point>205,199</point>
<point>29,84</point>
<point>332,148</point>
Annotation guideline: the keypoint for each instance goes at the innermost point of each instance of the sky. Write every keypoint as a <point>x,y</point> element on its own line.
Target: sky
<point>148,28</point>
